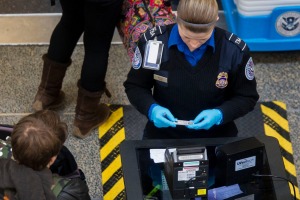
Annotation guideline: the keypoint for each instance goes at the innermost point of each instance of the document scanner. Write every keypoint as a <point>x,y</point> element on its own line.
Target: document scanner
<point>186,171</point>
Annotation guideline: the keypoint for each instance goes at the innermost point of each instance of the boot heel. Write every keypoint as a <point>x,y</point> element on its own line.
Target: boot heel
<point>89,114</point>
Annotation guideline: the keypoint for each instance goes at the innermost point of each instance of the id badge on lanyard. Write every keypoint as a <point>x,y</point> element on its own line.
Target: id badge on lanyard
<point>153,54</point>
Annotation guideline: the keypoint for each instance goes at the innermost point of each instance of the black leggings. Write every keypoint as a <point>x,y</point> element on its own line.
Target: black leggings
<point>97,21</point>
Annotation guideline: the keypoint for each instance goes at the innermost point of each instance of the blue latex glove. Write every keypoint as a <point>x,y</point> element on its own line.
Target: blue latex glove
<point>162,117</point>
<point>206,119</point>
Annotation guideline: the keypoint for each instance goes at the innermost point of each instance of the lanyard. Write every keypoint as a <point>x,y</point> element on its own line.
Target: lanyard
<point>149,14</point>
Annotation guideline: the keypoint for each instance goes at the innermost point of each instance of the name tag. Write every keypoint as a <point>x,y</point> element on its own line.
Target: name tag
<point>160,78</point>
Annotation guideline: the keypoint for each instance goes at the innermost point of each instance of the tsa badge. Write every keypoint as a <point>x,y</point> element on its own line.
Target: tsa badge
<point>137,59</point>
<point>222,80</point>
<point>249,69</point>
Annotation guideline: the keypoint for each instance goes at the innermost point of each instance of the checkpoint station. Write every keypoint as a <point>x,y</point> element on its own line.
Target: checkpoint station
<point>243,82</point>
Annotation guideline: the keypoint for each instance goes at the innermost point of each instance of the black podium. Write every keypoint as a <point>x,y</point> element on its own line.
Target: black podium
<point>136,162</point>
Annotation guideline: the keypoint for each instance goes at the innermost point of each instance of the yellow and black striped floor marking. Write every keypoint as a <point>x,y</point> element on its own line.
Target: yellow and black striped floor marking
<point>111,134</point>
<point>276,125</point>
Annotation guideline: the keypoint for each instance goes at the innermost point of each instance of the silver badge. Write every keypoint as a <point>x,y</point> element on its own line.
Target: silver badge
<point>249,69</point>
<point>137,59</point>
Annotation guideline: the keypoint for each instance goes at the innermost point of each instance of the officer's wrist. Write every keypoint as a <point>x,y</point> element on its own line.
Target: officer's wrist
<point>220,115</point>
<point>150,110</point>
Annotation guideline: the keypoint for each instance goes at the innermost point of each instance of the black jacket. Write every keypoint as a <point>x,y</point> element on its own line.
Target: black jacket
<point>29,184</point>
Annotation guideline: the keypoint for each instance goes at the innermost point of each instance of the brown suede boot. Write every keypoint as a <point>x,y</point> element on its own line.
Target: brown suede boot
<point>49,94</point>
<point>89,114</point>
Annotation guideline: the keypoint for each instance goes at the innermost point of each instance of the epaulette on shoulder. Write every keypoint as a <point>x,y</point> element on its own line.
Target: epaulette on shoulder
<point>237,41</point>
<point>152,32</point>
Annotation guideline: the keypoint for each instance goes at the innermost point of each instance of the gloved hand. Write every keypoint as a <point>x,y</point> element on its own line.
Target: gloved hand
<point>162,117</point>
<point>206,119</point>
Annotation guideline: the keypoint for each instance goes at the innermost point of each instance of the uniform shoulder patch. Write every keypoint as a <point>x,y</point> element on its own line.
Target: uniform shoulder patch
<point>137,59</point>
<point>236,40</point>
<point>249,69</point>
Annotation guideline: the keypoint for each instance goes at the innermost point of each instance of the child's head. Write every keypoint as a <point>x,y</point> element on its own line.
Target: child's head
<point>37,139</point>
<point>197,16</point>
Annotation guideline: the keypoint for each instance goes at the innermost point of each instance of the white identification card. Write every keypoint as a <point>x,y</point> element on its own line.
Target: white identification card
<point>153,54</point>
<point>183,122</point>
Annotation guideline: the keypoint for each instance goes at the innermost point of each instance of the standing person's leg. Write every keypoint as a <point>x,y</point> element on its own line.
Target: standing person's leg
<point>100,24</point>
<point>62,43</point>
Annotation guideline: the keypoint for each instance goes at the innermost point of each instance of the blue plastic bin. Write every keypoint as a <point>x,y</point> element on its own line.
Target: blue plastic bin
<point>277,31</point>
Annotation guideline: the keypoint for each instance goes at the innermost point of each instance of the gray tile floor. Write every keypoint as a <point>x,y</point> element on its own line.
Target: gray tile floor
<point>277,75</point>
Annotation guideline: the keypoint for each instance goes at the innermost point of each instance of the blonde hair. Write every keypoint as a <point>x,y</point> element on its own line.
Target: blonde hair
<point>197,15</point>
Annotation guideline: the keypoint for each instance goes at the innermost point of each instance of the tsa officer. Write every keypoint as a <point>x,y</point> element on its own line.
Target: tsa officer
<point>192,79</point>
